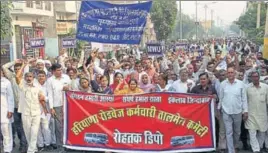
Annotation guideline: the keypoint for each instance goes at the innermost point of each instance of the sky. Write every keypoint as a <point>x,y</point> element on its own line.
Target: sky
<point>228,11</point>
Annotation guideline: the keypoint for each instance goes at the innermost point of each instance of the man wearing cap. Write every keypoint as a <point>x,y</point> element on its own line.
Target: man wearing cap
<point>40,66</point>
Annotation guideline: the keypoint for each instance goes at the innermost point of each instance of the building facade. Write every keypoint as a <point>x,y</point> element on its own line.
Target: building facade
<point>66,13</point>
<point>30,19</point>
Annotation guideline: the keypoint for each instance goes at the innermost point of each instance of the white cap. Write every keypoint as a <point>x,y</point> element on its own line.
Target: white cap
<point>40,61</point>
<point>48,62</point>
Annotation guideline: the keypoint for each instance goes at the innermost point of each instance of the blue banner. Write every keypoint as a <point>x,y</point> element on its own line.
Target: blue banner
<point>37,42</point>
<point>112,23</point>
<point>68,43</point>
<point>155,49</point>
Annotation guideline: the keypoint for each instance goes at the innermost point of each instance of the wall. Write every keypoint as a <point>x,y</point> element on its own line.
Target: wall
<point>20,8</point>
<point>65,6</point>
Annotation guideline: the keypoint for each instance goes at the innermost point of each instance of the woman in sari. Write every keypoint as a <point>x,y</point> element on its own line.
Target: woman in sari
<point>117,77</point>
<point>131,89</point>
<point>145,84</point>
<point>84,85</point>
<point>103,87</point>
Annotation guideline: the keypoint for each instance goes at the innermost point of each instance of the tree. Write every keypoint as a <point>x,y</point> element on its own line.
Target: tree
<point>163,15</point>
<point>75,52</point>
<point>247,23</point>
<point>235,28</point>
<point>216,31</point>
<point>188,28</point>
<point>6,19</point>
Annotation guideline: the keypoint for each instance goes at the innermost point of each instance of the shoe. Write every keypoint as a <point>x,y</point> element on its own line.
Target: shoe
<point>54,146</point>
<point>40,149</point>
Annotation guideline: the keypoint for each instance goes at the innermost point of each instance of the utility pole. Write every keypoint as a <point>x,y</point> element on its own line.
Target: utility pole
<point>265,43</point>
<point>211,28</point>
<point>180,22</point>
<point>196,22</point>
<point>212,11</point>
<point>206,19</point>
<point>258,15</point>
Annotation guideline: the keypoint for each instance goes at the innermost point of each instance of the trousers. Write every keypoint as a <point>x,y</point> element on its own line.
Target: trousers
<point>222,135</point>
<point>256,140</point>
<point>6,130</point>
<point>58,124</point>
<point>232,123</point>
<point>17,128</point>
<point>31,126</point>
<point>44,135</point>
<point>52,131</point>
<point>244,133</point>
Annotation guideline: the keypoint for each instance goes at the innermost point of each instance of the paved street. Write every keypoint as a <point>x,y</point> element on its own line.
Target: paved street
<point>16,150</point>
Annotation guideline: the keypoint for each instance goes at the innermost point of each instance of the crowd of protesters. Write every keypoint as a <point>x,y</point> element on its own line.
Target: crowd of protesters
<point>231,70</point>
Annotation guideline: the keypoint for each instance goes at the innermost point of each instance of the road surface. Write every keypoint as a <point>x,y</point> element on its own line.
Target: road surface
<point>16,150</point>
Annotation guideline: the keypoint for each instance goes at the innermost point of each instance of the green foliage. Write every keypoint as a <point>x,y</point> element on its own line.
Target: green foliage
<point>6,19</point>
<point>188,28</point>
<point>163,15</point>
<point>216,32</point>
<point>235,28</point>
<point>75,52</point>
<point>247,23</point>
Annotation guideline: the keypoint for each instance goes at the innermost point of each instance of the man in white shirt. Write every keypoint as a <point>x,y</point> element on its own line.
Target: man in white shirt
<point>257,96</point>
<point>17,124</point>
<point>233,103</point>
<point>183,85</point>
<point>32,98</point>
<point>7,109</point>
<point>57,84</point>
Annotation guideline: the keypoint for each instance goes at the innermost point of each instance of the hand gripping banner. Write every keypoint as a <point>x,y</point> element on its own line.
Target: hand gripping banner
<point>155,122</point>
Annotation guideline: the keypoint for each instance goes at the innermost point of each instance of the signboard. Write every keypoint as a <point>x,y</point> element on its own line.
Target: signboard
<point>37,42</point>
<point>61,28</point>
<point>181,46</point>
<point>68,43</point>
<point>112,23</point>
<point>155,122</point>
<point>155,49</point>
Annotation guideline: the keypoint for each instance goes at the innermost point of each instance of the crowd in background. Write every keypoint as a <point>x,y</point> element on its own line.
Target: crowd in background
<point>232,70</point>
